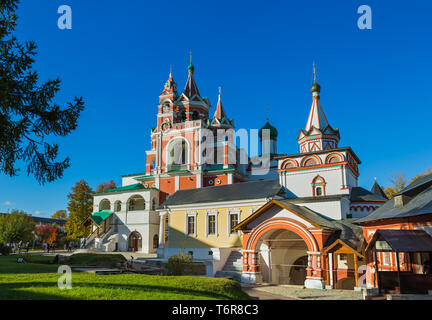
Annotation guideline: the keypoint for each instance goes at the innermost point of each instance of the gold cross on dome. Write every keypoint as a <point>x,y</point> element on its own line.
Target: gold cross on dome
<point>267,113</point>
<point>314,70</point>
<point>190,53</point>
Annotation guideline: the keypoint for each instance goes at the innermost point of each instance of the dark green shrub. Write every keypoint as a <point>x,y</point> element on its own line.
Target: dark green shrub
<point>5,250</point>
<point>178,263</point>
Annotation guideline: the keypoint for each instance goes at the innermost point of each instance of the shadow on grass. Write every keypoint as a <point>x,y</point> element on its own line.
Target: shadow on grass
<point>14,291</point>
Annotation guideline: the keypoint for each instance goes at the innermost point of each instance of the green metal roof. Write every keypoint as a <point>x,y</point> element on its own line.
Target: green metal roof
<point>101,216</point>
<point>136,186</point>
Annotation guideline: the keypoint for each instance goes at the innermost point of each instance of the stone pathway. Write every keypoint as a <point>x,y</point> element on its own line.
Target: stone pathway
<point>288,292</point>
<point>257,294</point>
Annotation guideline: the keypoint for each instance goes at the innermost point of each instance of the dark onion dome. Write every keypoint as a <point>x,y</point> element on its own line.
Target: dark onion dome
<point>273,131</point>
<point>316,87</point>
<point>191,68</point>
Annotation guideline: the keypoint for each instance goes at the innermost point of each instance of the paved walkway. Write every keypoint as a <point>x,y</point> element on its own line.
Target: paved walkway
<point>257,294</point>
<point>287,292</point>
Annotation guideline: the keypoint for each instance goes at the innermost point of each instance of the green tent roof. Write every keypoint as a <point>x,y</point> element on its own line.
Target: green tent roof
<point>101,216</point>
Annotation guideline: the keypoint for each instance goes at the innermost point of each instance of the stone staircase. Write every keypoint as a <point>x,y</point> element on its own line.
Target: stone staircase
<point>233,267</point>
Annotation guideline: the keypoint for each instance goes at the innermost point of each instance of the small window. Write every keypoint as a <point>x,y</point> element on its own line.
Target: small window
<point>190,225</point>
<point>155,241</point>
<point>319,191</point>
<point>386,258</point>
<point>211,224</point>
<point>166,228</point>
<point>234,220</point>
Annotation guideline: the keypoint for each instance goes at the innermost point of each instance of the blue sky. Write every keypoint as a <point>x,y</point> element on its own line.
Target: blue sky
<point>375,83</point>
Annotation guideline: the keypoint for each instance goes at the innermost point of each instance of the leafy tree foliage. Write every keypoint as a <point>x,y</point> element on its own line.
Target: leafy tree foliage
<point>60,214</point>
<point>46,233</point>
<point>80,208</point>
<point>16,226</point>
<point>106,186</point>
<point>28,115</point>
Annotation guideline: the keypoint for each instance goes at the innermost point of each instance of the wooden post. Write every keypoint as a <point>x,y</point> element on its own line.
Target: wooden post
<point>335,268</point>
<point>327,268</point>
<point>398,268</point>
<point>355,270</point>
<point>377,271</point>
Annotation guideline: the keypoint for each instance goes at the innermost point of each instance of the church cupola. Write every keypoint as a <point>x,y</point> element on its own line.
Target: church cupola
<point>170,89</point>
<point>273,136</point>
<point>219,118</point>
<point>191,89</point>
<point>318,134</point>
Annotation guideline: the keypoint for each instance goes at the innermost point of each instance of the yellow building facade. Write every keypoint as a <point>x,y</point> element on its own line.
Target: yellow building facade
<point>204,229</point>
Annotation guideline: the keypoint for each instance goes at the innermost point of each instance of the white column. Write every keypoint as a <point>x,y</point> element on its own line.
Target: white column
<point>160,250</point>
<point>198,178</point>
<point>176,183</point>
<point>230,178</point>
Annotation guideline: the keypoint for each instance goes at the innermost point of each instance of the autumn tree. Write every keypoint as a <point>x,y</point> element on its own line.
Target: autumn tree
<point>80,207</point>
<point>16,226</point>
<point>46,233</point>
<point>106,186</point>
<point>28,116</point>
<point>399,182</point>
<point>60,215</point>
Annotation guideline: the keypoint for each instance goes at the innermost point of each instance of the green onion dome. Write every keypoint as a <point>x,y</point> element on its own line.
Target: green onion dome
<point>273,130</point>
<point>315,87</point>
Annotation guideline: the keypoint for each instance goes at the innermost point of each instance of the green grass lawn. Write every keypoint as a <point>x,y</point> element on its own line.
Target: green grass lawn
<point>39,281</point>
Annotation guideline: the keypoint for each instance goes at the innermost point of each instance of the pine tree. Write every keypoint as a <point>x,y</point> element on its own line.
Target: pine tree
<point>28,115</point>
<point>80,208</point>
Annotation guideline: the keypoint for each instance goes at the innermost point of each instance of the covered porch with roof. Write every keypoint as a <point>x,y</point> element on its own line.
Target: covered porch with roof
<point>402,261</point>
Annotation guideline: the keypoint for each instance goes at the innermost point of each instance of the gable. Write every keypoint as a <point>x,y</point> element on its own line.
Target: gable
<point>275,211</point>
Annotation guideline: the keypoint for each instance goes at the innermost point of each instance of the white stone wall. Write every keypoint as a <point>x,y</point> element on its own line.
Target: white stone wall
<point>146,222</point>
<point>335,209</point>
<point>300,182</point>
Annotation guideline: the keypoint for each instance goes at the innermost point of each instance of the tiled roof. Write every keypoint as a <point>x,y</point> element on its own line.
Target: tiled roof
<point>359,194</point>
<point>236,191</point>
<point>420,204</point>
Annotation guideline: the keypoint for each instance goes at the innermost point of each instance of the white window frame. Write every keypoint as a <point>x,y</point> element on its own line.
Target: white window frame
<point>215,214</point>
<point>231,212</point>
<point>194,215</point>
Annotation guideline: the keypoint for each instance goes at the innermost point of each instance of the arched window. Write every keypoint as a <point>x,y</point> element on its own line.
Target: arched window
<point>177,155</point>
<point>166,107</point>
<point>117,206</point>
<point>136,203</point>
<point>318,186</point>
<point>104,205</point>
<point>155,241</point>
